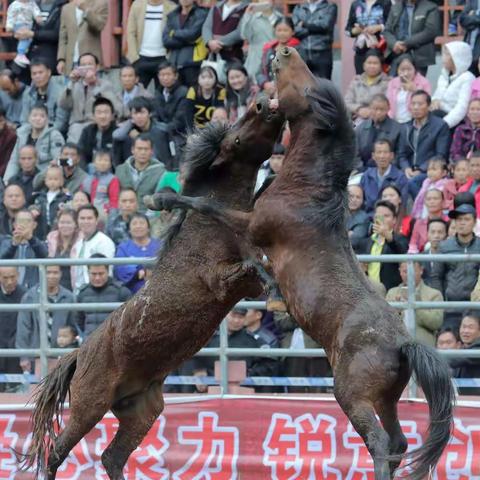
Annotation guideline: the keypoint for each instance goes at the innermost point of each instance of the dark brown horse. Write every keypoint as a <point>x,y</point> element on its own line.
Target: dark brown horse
<point>196,281</point>
<point>299,222</point>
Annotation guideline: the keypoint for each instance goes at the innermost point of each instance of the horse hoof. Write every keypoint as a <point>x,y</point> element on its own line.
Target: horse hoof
<point>276,305</point>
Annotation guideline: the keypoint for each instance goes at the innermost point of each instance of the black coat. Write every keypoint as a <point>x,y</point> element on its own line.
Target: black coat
<point>48,213</point>
<point>26,182</point>
<point>389,274</point>
<point>470,22</point>
<point>88,141</point>
<point>174,112</point>
<point>8,320</point>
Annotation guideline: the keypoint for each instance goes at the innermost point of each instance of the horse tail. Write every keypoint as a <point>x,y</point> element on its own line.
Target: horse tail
<point>49,398</point>
<point>432,374</point>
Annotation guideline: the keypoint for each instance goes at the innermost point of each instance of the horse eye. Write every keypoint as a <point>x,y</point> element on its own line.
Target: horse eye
<point>237,141</point>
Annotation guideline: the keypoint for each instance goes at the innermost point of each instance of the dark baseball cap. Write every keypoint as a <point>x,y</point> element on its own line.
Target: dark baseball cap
<point>463,209</point>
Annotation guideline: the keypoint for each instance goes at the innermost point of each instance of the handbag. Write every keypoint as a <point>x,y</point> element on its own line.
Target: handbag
<point>216,62</point>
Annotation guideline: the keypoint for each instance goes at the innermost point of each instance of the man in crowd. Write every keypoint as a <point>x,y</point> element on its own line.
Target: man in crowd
<point>448,339</point>
<point>13,202</point>
<point>253,324</point>
<point>117,224</point>
<point>425,136</point>
<point>11,91</point>
<point>131,88</point>
<point>27,161</point>
<point>377,127</point>
<point>92,241</point>
<point>44,89</point>
<point>427,321</point>
<point>437,232</point>
<point>28,324</point>
<point>8,138</point>
<point>141,172</point>
<point>10,292</point>
<point>100,288</point>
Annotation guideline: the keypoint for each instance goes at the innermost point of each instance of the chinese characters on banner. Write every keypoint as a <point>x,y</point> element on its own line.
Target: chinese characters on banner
<point>257,438</point>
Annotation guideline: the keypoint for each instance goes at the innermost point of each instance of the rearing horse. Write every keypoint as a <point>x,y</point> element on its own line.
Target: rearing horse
<point>299,222</point>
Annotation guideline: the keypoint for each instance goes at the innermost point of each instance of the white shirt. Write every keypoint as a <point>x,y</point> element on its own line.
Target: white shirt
<point>227,10</point>
<point>402,114</point>
<point>79,18</point>
<point>152,43</point>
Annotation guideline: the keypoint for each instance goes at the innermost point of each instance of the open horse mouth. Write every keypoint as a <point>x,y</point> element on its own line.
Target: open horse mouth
<point>267,108</point>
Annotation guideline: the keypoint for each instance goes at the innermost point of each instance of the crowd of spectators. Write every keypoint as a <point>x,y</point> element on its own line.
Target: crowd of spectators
<point>80,147</point>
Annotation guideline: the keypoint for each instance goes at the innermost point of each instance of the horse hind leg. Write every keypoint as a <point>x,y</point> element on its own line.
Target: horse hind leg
<point>135,420</point>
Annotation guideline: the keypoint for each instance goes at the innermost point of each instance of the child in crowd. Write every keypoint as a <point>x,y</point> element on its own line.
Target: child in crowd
<point>48,202</point>
<point>466,138</point>
<point>203,99</point>
<point>21,15</point>
<point>79,199</point>
<point>461,173</point>
<point>67,337</point>
<point>437,177</point>
<point>102,186</point>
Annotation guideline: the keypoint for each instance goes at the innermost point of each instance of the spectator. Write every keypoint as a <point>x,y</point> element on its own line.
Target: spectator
<point>365,85</point>
<point>220,115</point>
<point>140,245</point>
<point>358,221</point>
<point>314,25</point>
<point>473,183</point>
<point>141,171</point>
<point>425,136</point>
<point>73,174</point>
<point>384,241</point>
<point>182,38</point>
<point>140,122</point>
<point>437,172</point>
<point>412,27</point>
<point>384,173</point>
<point>378,126</point>
<point>23,244</point>
<point>101,288</point>
<point>427,322</point>
<point>470,22</point>
<point>465,367</point>
<point>170,111</point>
<point>253,324</point>
<point>284,31</point>
<point>434,207</point>
<point>81,25</point>
<point>44,90</point>
<point>269,169</point>
<point>8,138</point>
<point>131,88</point>
<point>49,201</point>
<point>404,221</point>
<point>27,161</point>
<point>221,29</point>
<point>13,201</point>
<point>240,92</point>
<point>457,280</point>
<point>102,186</point>
<point>448,339</point>
<point>452,95</point>
<point>461,173</point>
<point>466,138</point>
<point>45,36</point>
<point>90,241</point>
<point>10,292</point>
<point>67,337</point>
<point>28,323</point>
<point>79,200</point>
<point>365,24</point>
<point>84,87</point>
<point>117,224</point>
<point>257,28</point>
<point>145,49</point>
<point>46,140</point>
<point>475,93</point>
<point>203,99</point>
<point>98,135</point>
<point>402,86</point>
<point>62,242</point>
<point>11,92</point>
<point>437,230</point>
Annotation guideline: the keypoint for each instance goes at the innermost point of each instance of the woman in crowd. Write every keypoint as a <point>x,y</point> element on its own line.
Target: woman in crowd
<point>401,87</point>
<point>466,138</point>
<point>79,199</point>
<point>284,32</point>
<point>364,86</point>
<point>257,28</point>
<point>404,222</point>
<point>61,242</point>
<point>140,245</point>
<point>240,91</point>
<point>365,24</point>
<point>451,98</point>
<point>205,98</point>
<point>461,172</point>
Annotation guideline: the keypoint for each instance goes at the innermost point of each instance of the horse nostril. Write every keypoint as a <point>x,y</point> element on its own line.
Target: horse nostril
<point>259,107</point>
<point>286,51</point>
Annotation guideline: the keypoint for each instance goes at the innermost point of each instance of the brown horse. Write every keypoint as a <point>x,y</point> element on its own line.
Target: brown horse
<point>198,278</point>
<point>299,222</point>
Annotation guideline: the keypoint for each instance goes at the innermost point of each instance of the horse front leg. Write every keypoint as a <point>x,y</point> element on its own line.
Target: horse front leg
<point>236,220</point>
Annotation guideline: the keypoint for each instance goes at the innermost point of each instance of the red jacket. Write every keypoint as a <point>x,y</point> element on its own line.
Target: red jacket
<point>466,188</point>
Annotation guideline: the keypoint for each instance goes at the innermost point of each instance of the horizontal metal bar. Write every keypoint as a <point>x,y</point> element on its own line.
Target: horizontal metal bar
<point>19,352</point>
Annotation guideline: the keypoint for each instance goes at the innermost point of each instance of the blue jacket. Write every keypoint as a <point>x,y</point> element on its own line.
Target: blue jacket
<point>371,190</point>
<point>434,139</point>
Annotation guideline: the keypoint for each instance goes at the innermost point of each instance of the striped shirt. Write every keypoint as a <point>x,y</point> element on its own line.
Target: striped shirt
<point>152,44</point>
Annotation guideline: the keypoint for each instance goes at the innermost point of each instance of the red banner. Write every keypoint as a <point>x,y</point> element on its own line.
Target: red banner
<point>249,438</point>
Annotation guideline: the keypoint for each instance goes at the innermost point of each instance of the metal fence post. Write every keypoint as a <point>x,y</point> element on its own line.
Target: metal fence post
<point>223,356</point>
<point>410,317</point>
<point>42,316</point>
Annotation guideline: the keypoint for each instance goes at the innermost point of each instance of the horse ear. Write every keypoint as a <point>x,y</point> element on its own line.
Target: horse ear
<point>218,162</point>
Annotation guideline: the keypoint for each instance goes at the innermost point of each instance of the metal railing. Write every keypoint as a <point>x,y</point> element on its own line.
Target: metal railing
<point>223,351</point>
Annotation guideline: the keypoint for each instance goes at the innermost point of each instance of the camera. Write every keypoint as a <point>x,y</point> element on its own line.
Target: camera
<point>65,162</point>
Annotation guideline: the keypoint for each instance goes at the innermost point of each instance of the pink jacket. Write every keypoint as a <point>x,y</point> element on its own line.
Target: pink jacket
<point>421,83</point>
<point>445,185</point>
<point>475,89</point>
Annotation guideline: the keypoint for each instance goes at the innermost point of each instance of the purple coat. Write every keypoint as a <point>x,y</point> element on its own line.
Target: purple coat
<point>466,139</point>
